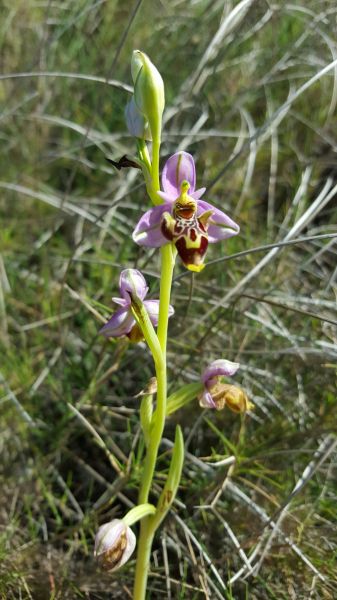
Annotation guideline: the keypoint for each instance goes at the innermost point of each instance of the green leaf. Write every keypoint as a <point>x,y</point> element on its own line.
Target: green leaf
<point>183,396</point>
<point>173,479</point>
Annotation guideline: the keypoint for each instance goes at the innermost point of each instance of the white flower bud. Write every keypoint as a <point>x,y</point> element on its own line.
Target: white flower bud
<point>114,544</point>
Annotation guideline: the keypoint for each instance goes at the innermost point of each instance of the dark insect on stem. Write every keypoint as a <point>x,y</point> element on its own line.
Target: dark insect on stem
<point>123,163</point>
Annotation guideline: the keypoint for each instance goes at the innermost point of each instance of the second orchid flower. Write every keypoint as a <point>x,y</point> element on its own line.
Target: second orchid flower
<point>122,322</point>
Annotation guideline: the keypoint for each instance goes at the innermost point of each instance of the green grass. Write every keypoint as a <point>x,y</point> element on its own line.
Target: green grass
<point>66,220</point>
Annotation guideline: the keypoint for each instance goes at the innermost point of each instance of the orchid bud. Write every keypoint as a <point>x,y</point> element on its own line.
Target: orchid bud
<point>149,91</point>
<point>136,123</point>
<point>114,544</point>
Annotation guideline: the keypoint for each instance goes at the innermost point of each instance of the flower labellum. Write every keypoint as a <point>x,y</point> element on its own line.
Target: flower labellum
<point>186,230</point>
<point>217,394</point>
<point>114,544</point>
<point>183,219</point>
<point>122,322</point>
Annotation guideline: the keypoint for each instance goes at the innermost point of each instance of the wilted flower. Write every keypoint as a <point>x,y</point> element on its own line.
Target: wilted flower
<point>114,544</point>
<point>190,223</point>
<point>217,394</point>
<point>122,322</point>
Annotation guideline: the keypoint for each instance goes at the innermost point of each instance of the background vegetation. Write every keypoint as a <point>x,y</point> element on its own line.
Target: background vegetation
<point>248,93</point>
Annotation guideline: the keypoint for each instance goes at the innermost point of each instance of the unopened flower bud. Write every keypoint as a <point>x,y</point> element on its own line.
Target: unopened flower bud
<point>114,544</point>
<point>149,91</point>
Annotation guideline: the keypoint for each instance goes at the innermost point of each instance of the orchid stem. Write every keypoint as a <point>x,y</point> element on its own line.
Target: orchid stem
<point>156,432</point>
<point>155,162</point>
<point>158,349</point>
<point>143,560</point>
<point>168,255</point>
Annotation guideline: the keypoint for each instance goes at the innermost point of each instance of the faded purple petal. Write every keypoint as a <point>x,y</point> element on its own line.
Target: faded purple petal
<point>224,227</point>
<point>148,231</point>
<point>206,400</point>
<point>121,301</point>
<point>217,368</point>
<point>178,168</point>
<point>152,307</point>
<point>198,193</point>
<point>119,324</point>
<point>132,282</point>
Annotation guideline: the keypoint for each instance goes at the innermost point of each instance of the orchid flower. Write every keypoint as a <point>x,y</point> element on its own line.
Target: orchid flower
<point>114,544</point>
<point>190,223</point>
<point>122,322</point>
<point>217,394</point>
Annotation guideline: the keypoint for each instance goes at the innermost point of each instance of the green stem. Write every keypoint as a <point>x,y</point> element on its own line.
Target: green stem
<point>155,163</point>
<point>148,526</point>
<point>157,427</point>
<point>143,154</point>
<point>168,254</point>
<point>143,560</point>
<point>158,419</point>
<point>150,169</point>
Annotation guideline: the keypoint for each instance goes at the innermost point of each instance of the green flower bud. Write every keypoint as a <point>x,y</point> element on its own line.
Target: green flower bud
<point>149,91</point>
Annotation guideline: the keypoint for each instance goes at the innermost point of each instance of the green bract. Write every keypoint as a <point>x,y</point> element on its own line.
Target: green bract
<point>138,512</point>
<point>183,396</point>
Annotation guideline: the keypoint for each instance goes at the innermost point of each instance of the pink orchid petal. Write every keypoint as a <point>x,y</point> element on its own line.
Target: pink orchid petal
<point>121,301</point>
<point>178,168</point>
<point>152,307</point>
<point>167,197</point>
<point>148,229</point>
<point>217,368</point>
<point>120,323</point>
<point>221,227</point>
<point>198,193</point>
<point>133,282</point>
